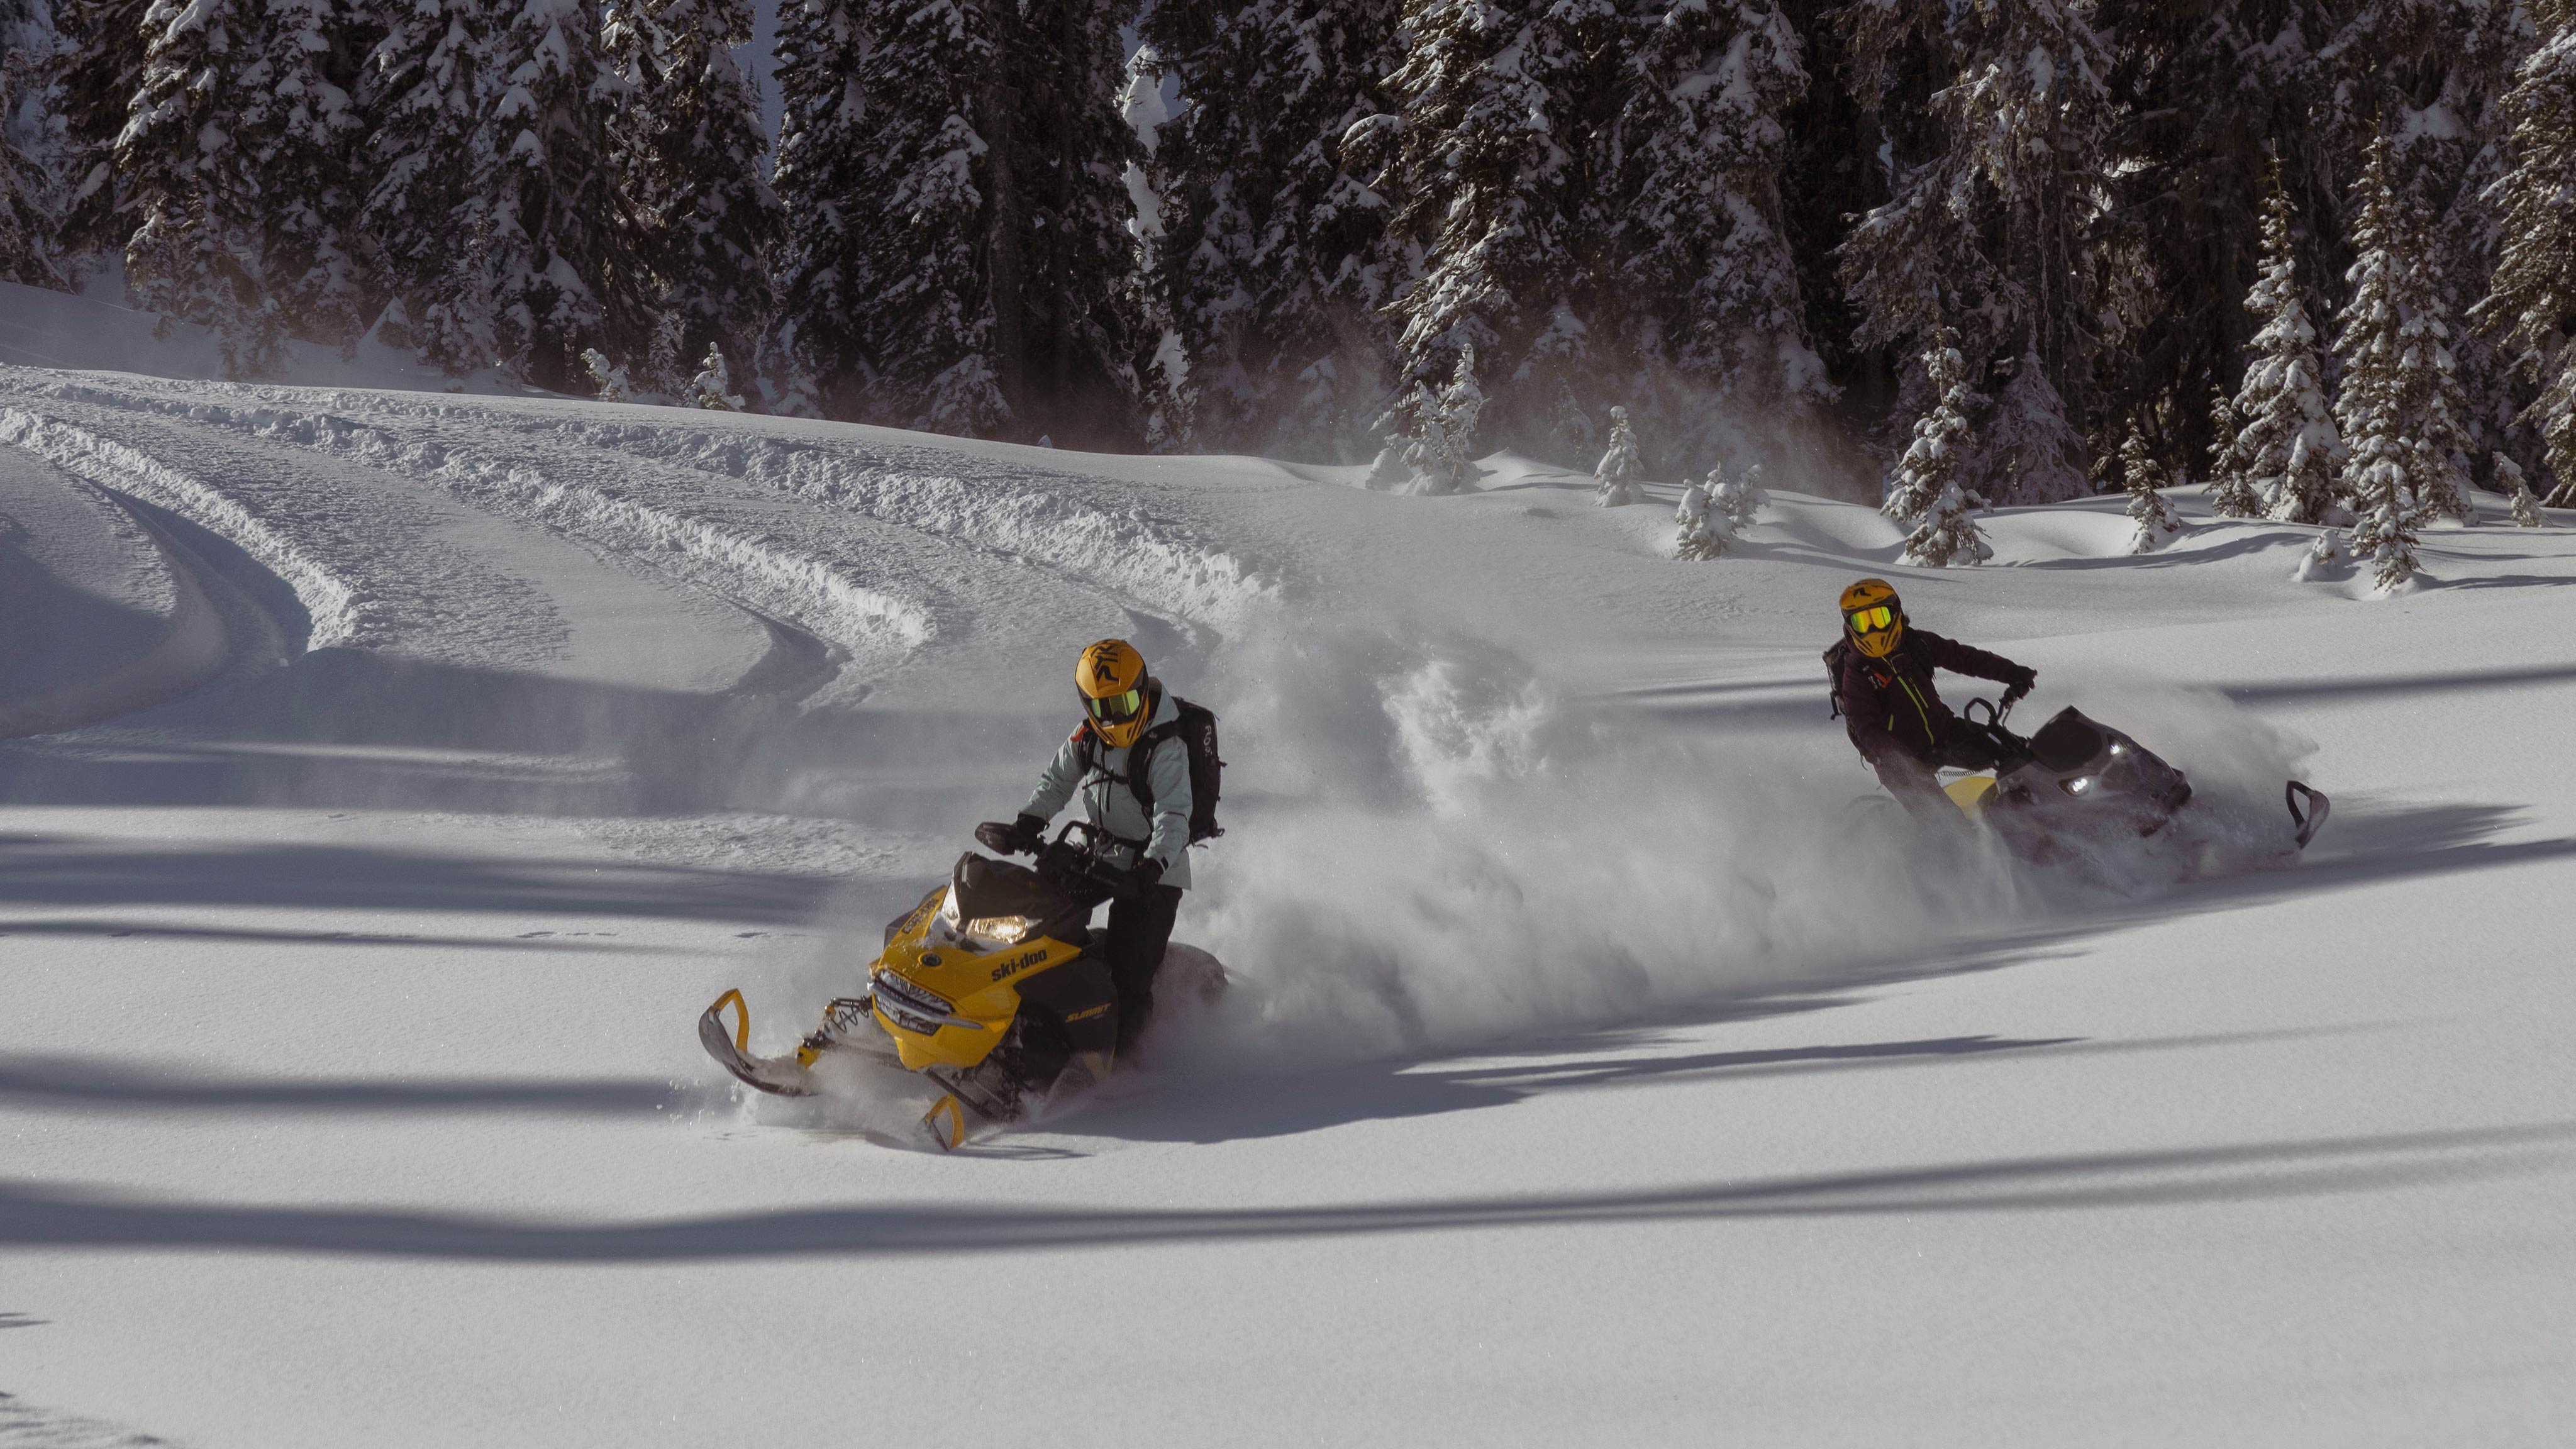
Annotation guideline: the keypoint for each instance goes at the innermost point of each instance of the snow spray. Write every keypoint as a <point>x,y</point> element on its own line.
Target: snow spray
<point>1433,848</point>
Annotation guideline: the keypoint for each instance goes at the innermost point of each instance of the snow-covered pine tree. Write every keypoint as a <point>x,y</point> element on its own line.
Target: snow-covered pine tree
<point>28,246</point>
<point>1422,450</point>
<point>1273,258</point>
<point>1708,284</point>
<point>2210,93</point>
<point>608,378</point>
<point>2370,406</point>
<point>2287,447</point>
<point>2030,454</point>
<point>97,74</point>
<point>2231,491</point>
<point>2533,295</point>
<point>959,256</point>
<point>1615,477</point>
<point>690,155</point>
<point>1990,231</point>
<point>423,95</point>
<point>1925,494</point>
<point>2143,475</point>
<point>2432,408</point>
<point>2324,559</point>
<point>2391,407</point>
<point>558,240</point>
<point>2511,482</point>
<point>1440,445</point>
<point>812,363</point>
<point>1492,163</point>
<point>1739,498</point>
<point>712,386</point>
<point>2432,75</point>
<point>235,164</point>
<point>189,165</point>
<point>2386,532</point>
<point>302,127</point>
<point>1699,531</point>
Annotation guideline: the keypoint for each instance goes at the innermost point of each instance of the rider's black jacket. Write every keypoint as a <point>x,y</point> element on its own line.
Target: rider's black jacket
<point>1890,704</point>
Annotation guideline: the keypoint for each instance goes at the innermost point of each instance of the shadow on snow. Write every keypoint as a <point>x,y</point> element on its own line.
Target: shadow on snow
<point>35,1215</point>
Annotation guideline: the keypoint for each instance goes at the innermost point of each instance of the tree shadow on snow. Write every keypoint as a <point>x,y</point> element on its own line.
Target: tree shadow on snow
<point>95,1085</point>
<point>56,1216</point>
<point>2371,845</point>
<point>1205,1109</point>
<point>2381,686</point>
<point>74,871</point>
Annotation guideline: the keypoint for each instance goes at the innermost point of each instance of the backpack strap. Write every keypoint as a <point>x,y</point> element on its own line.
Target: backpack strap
<point>1139,755</point>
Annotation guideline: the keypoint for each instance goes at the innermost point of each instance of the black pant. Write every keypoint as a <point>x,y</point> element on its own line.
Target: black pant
<point>1080,1002</point>
<point>1140,927</point>
<point>1909,776</point>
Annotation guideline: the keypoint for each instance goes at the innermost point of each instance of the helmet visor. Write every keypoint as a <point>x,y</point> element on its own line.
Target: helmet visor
<point>1116,708</point>
<point>1870,620</point>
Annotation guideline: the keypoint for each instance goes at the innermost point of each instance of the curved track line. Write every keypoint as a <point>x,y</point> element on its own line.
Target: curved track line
<point>195,651</point>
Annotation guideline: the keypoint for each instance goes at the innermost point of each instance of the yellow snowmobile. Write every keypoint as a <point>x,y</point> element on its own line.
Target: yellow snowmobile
<point>2077,777</point>
<point>989,988</point>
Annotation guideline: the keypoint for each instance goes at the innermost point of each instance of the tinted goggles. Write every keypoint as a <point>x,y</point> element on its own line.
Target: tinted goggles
<point>1117,708</point>
<point>1870,620</point>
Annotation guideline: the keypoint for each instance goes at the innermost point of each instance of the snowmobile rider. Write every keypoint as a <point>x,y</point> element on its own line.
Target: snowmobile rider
<point>1882,674</point>
<point>1121,703</point>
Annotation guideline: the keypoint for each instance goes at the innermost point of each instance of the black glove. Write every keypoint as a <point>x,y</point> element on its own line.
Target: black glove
<point>2019,689</point>
<point>1024,836</point>
<point>1142,877</point>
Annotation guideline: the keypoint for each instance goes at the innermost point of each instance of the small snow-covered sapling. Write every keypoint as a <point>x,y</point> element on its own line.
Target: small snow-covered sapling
<point>1700,532</point>
<point>1615,476</point>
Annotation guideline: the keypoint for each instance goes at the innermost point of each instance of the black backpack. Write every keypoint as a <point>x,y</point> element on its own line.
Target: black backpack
<point>1834,659</point>
<point>1196,730</point>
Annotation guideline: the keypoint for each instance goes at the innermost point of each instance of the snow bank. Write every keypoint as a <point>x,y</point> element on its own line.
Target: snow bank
<point>1014,510</point>
<point>341,612</point>
<point>765,573</point>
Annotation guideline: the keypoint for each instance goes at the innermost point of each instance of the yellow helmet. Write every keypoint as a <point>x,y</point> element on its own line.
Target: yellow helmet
<point>1872,618</point>
<point>1111,680</point>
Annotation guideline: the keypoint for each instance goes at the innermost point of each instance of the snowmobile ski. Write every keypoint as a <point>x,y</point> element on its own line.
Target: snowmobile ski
<point>2311,820</point>
<point>947,1123</point>
<point>786,1076</point>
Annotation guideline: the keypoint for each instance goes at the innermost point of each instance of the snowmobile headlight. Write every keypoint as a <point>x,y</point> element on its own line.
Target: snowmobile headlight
<point>911,1007</point>
<point>2079,784</point>
<point>2119,749</point>
<point>998,930</point>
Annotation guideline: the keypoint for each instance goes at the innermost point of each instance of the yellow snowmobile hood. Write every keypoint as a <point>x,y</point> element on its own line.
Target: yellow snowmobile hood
<point>947,990</point>
<point>1971,794</point>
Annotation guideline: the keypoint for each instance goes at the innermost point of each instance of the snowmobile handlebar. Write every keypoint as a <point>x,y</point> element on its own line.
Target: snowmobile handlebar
<point>1080,852</point>
<point>2008,746</point>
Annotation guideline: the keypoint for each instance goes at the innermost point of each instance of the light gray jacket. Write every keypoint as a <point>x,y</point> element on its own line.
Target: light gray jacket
<point>1111,803</point>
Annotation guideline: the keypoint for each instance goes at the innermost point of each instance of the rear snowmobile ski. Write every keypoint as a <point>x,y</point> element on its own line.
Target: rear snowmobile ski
<point>974,993</point>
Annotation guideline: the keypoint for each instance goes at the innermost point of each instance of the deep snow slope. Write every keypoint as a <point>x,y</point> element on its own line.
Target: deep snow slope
<point>1588,1078</point>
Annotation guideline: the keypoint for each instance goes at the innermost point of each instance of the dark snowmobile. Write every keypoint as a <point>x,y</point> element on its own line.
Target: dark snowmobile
<point>2076,778</point>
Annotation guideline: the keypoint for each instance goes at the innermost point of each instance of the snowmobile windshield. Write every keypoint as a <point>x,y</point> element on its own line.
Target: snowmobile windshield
<point>1000,903</point>
<point>2068,742</point>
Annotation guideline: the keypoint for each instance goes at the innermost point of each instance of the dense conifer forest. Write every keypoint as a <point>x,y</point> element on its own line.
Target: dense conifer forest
<point>2314,253</point>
